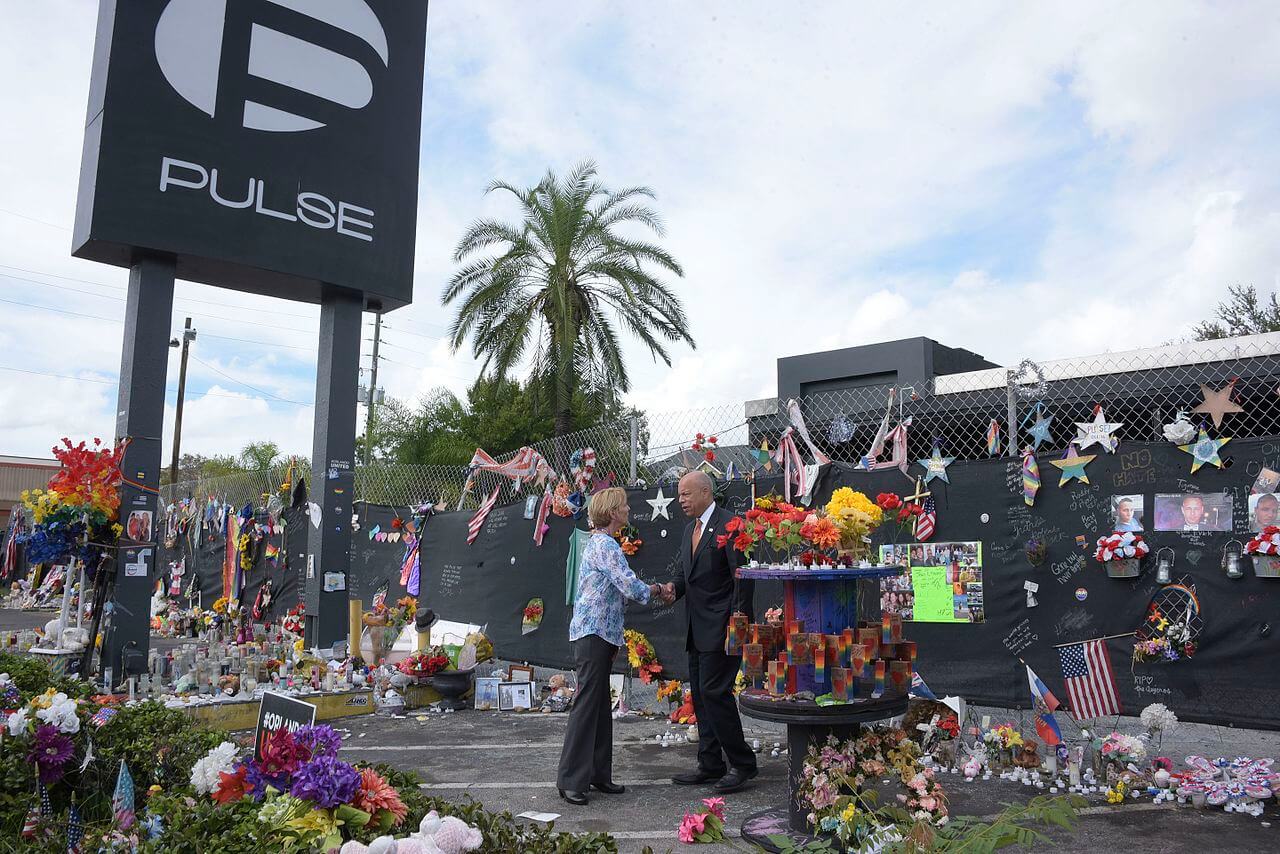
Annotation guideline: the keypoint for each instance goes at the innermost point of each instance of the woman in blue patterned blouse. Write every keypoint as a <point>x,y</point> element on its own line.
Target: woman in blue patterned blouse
<point>596,634</point>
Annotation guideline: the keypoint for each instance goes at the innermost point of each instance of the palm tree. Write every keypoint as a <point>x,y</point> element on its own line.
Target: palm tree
<point>555,288</point>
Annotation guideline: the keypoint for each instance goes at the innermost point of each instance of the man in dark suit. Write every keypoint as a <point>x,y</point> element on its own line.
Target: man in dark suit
<point>711,594</point>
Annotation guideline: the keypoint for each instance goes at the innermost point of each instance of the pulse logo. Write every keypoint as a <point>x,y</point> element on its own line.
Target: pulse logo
<point>202,61</point>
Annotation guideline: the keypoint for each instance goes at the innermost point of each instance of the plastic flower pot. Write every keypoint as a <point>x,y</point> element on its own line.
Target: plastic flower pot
<point>1266,566</point>
<point>1124,567</point>
<point>1198,798</point>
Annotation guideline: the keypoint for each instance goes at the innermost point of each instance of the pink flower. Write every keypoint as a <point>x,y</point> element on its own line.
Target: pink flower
<point>928,803</point>
<point>691,826</point>
<point>715,806</point>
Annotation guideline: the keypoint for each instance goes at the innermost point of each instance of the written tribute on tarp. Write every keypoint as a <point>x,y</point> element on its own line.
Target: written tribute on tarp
<point>943,583</point>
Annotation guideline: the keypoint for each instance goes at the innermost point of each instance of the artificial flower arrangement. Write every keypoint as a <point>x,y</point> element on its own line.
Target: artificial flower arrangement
<point>1002,737</point>
<point>428,662</point>
<point>77,514</point>
<point>629,540</point>
<point>1265,542</point>
<point>294,622</point>
<point>1124,749</point>
<point>671,691</point>
<point>705,445</point>
<point>705,825</point>
<point>47,722</point>
<point>307,793</point>
<point>833,776</point>
<point>1122,545</point>
<point>1163,641</point>
<point>641,656</point>
<point>390,619</point>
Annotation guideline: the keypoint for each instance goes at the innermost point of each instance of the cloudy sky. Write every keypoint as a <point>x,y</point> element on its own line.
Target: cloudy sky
<point>1022,180</point>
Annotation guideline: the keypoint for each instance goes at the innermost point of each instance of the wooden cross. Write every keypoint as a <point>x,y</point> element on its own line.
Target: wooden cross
<point>915,499</point>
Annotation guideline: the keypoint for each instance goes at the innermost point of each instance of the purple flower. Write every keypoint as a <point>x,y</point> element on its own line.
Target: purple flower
<point>326,782</point>
<point>258,781</point>
<point>49,752</point>
<point>318,741</point>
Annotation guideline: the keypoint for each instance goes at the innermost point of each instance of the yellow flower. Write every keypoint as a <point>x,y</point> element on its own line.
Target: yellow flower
<point>847,815</point>
<point>297,645</point>
<point>314,823</point>
<point>45,700</point>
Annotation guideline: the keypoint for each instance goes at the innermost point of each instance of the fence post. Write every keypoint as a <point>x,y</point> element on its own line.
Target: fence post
<point>635,450</point>
<point>1012,415</point>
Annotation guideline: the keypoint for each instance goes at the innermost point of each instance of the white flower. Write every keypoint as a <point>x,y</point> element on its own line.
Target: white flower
<point>18,721</point>
<point>61,713</point>
<point>1158,718</point>
<point>204,774</point>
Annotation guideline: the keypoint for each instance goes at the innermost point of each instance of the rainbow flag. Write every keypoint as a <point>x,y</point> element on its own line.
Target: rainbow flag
<point>271,553</point>
<point>993,438</point>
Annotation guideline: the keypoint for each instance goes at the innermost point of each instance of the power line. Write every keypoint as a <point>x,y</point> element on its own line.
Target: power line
<point>205,393</point>
<point>219,303</point>
<point>33,219</point>
<point>193,314</point>
<point>246,385</point>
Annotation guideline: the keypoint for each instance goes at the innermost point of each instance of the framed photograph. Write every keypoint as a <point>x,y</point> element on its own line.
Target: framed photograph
<point>138,527</point>
<point>519,673</point>
<point>1127,513</point>
<point>1264,511</point>
<point>1267,481</point>
<point>515,695</point>
<point>1188,512</point>
<point>487,692</point>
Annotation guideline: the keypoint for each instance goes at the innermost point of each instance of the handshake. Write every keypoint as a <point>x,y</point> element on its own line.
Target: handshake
<point>664,593</point>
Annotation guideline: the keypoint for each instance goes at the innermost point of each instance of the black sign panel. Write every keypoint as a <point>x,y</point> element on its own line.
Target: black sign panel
<point>280,712</point>
<point>270,145</point>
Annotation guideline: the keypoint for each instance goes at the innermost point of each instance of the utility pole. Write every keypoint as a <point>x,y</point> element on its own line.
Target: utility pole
<point>188,335</point>
<point>373,389</point>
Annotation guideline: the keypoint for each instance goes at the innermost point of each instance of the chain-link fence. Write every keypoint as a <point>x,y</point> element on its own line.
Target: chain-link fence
<point>1143,390</point>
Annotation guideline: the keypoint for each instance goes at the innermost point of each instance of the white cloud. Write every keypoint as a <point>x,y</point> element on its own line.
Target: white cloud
<point>1004,179</point>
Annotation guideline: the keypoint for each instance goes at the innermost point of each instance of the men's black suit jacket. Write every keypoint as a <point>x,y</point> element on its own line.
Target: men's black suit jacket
<point>707,584</point>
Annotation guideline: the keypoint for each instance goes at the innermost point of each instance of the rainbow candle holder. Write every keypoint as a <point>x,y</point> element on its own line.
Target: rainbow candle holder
<point>878,691</point>
<point>753,660</point>
<point>801,652</point>
<point>857,659</point>
<point>840,684</point>
<point>870,638</point>
<point>848,638</point>
<point>895,628</point>
<point>820,663</point>
<point>886,628</point>
<point>907,652</point>
<point>736,635</point>
<point>777,682</point>
<point>900,676</point>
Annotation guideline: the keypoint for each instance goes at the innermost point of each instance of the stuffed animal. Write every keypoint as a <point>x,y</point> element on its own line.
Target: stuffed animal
<point>448,835</point>
<point>685,714</point>
<point>1028,757</point>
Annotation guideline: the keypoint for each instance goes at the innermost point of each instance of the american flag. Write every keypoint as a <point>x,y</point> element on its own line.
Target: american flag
<point>477,521</point>
<point>38,811</point>
<point>75,831</point>
<point>103,716</point>
<point>1091,683</point>
<point>927,521</point>
<point>122,800</point>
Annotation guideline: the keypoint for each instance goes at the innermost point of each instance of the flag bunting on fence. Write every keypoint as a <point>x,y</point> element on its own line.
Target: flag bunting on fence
<point>477,521</point>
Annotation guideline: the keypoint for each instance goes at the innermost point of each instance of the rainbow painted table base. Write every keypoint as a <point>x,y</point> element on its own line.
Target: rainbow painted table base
<point>826,601</point>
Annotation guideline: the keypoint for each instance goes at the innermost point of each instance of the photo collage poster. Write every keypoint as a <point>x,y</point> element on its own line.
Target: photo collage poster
<point>943,583</point>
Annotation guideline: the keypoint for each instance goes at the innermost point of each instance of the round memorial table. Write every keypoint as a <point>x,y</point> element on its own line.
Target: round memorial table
<point>826,600</point>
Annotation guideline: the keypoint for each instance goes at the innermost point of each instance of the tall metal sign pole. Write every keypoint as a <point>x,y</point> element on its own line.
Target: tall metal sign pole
<point>269,146</point>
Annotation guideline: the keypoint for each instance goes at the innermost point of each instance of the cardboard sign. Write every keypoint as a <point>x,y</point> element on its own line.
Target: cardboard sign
<point>277,711</point>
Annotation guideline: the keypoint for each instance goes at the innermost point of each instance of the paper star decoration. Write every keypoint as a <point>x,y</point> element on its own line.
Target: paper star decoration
<point>1204,451</point>
<point>936,466</point>
<point>1072,465</point>
<point>1039,431</point>
<point>1098,431</point>
<point>1218,404</point>
<point>659,505</point>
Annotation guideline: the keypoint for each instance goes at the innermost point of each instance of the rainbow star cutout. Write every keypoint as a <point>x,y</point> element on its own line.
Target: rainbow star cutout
<point>1204,451</point>
<point>1072,465</point>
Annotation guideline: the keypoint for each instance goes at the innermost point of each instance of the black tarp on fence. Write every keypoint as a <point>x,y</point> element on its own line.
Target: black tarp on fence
<point>1230,679</point>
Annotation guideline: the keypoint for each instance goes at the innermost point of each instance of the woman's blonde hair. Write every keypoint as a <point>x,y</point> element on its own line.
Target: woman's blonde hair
<point>603,503</point>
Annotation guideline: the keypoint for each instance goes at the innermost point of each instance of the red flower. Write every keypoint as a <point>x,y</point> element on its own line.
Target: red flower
<point>797,516</point>
<point>231,787</point>
<point>722,540</point>
<point>759,529</point>
<point>743,542</point>
<point>783,507</point>
<point>753,514</point>
<point>888,501</point>
<point>712,440</point>
<point>806,558</point>
<point>711,456</point>
<point>734,525</point>
<point>698,436</point>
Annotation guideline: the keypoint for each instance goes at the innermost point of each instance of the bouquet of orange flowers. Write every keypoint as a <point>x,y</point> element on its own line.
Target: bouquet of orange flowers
<point>641,656</point>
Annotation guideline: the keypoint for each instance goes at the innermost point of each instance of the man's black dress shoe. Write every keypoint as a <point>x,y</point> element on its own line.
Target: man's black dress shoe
<point>609,788</point>
<point>735,780</point>
<point>693,778</point>
<point>578,798</point>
